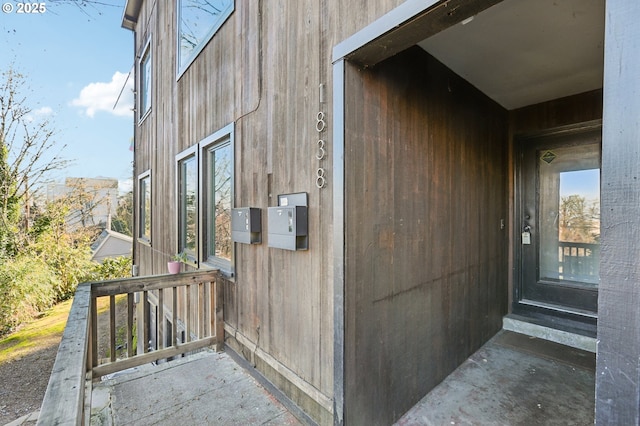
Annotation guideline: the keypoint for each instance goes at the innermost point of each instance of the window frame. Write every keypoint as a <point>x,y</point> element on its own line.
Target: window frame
<point>142,87</point>
<point>181,158</point>
<point>200,152</point>
<point>223,138</point>
<point>142,217</point>
<point>182,67</point>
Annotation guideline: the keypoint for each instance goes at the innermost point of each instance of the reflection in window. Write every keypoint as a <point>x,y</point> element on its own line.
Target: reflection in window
<point>579,226</point>
<point>188,206</point>
<point>144,188</point>
<point>145,83</point>
<point>579,211</point>
<point>198,21</point>
<point>218,193</point>
<point>205,185</point>
<point>569,209</point>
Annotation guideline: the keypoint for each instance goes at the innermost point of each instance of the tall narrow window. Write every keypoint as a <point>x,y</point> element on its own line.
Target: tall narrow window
<point>188,205</point>
<point>205,197</point>
<point>144,203</point>
<point>198,21</point>
<point>217,192</point>
<point>144,85</point>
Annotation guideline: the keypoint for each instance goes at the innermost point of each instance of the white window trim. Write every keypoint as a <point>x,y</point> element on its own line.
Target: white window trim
<point>142,115</point>
<point>196,52</point>
<point>141,238</point>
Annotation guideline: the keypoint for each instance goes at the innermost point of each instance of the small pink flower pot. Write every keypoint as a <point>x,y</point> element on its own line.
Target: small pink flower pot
<point>174,267</point>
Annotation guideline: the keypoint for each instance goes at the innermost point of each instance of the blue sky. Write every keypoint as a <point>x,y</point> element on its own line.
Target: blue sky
<point>76,61</point>
<point>585,183</point>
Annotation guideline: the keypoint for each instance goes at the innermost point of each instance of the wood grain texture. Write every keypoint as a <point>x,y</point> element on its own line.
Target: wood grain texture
<point>261,71</point>
<point>425,258</point>
<point>560,112</point>
<point>618,352</point>
<point>63,402</point>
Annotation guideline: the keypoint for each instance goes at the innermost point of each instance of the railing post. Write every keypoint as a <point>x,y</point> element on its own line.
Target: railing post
<point>94,331</point>
<point>145,322</point>
<point>63,402</point>
<point>130,348</point>
<point>112,327</point>
<point>219,303</point>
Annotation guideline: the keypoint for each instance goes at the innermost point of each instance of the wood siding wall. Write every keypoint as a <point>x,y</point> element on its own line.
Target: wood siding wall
<point>428,174</point>
<point>618,356</point>
<point>425,255</point>
<point>557,113</point>
<point>262,71</point>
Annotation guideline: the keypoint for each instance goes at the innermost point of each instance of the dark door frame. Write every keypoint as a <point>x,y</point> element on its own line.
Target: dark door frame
<point>565,320</point>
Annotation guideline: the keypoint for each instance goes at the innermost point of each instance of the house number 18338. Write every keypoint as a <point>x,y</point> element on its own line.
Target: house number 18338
<point>321,180</point>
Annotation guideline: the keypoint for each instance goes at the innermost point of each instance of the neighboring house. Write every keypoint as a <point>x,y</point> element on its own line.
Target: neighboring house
<point>410,167</point>
<point>111,244</point>
<point>92,199</point>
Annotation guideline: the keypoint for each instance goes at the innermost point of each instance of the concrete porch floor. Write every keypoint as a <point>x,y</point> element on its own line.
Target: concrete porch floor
<point>513,380</point>
<point>208,388</point>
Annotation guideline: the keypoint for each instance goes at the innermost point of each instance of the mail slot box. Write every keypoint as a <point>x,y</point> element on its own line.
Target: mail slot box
<point>288,227</point>
<point>246,225</point>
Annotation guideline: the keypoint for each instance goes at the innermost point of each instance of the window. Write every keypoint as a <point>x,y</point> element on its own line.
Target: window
<point>188,204</point>
<point>217,178</point>
<point>144,203</point>
<point>144,84</point>
<point>198,21</point>
<point>205,198</point>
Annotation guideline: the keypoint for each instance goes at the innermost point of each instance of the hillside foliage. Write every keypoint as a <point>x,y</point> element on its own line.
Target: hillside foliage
<point>42,258</point>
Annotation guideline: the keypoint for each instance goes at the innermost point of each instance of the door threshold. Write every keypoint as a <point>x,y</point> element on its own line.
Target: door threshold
<point>519,324</point>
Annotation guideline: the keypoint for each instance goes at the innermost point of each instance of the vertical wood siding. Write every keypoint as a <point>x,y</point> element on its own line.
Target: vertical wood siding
<point>261,71</point>
<point>618,353</point>
<point>558,112</point>
<point>425,279</point>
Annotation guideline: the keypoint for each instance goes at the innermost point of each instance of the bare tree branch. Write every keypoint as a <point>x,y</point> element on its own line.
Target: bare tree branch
<point>28,149</point>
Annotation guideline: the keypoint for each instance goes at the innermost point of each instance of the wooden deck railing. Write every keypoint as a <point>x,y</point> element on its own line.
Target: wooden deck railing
<point>190,303</point>
<point>579,261</point>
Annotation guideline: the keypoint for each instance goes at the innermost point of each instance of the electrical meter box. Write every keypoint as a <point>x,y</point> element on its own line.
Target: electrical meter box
<point>288,227</point>
<point>246,226</point>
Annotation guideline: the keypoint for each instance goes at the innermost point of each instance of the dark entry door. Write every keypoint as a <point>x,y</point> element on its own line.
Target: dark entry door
<point>559,219</point>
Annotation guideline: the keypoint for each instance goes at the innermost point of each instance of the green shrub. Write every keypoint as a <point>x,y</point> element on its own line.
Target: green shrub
<point>112,268</point>
<point>26,289</point>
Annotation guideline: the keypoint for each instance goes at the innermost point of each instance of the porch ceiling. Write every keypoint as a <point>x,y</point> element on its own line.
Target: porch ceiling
<point>522,52</point>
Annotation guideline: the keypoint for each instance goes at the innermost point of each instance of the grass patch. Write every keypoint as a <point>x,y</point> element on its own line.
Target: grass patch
<point>42,332</point>
<point>47,330</point>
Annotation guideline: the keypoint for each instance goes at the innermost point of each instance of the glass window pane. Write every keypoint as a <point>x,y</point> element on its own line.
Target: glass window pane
<point>145,208</point>
<point>189,206</point>
<point>570,215</point>
<point>199,20</point>
<point>220,202</point>
<point>145,83</point>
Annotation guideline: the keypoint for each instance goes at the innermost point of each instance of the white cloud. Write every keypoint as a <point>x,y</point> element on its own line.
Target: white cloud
<point>103,96</point>
<point>41,113</point>
<point>44,111</point>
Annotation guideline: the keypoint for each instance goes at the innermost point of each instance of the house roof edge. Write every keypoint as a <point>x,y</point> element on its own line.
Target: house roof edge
<point>130,14</point>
